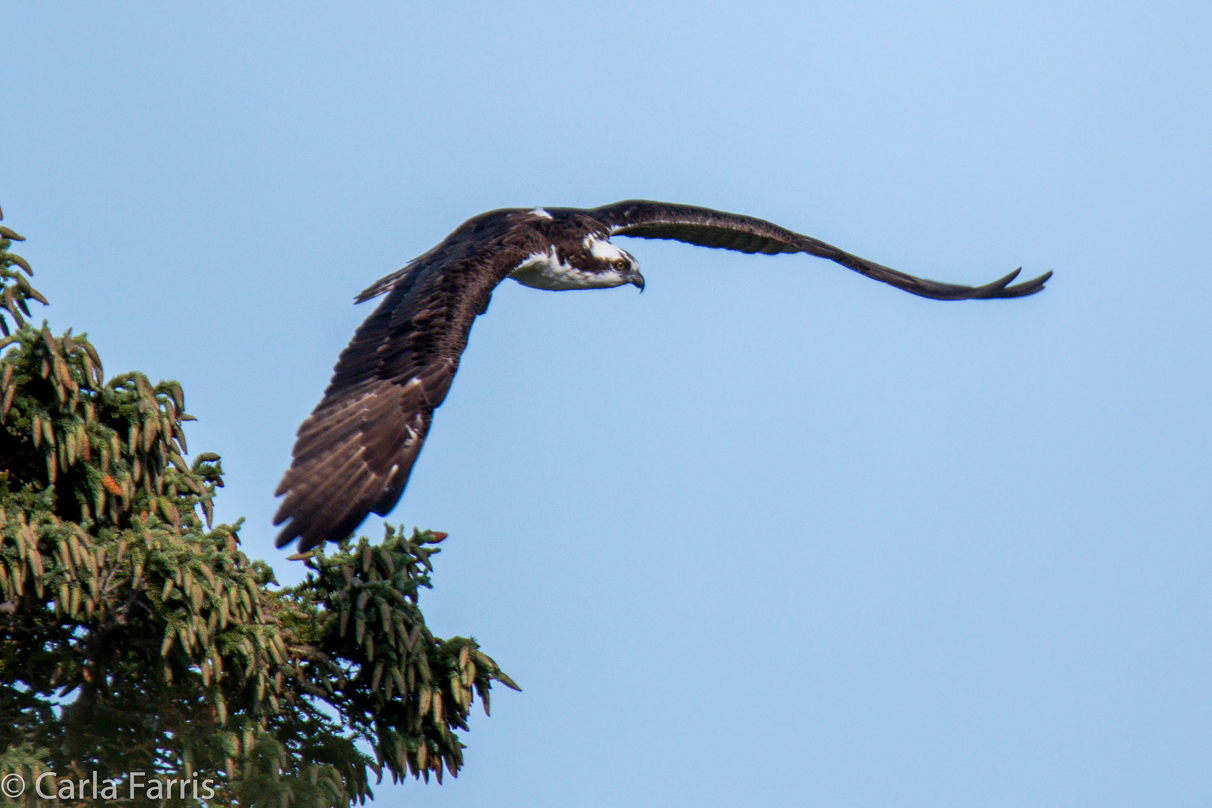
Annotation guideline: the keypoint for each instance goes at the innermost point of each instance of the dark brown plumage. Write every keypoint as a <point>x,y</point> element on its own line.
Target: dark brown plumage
<point>354,453</point>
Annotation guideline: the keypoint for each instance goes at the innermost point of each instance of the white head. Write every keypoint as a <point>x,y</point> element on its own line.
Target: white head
<point>591,263</point>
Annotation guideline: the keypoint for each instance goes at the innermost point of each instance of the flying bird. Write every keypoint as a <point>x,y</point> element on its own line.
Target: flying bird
<point>354,453</point>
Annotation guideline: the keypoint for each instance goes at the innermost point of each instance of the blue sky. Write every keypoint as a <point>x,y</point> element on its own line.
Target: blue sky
<point>771,533</point>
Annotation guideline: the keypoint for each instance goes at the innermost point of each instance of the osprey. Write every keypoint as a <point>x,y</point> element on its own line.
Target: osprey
<point>355,451</point>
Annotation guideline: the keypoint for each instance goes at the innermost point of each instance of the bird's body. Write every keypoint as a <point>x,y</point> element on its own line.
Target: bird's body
<point>355,451</point>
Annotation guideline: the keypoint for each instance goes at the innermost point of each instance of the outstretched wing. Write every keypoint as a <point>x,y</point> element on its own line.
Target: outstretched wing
<point>355,451</point>
<point>713,228</point>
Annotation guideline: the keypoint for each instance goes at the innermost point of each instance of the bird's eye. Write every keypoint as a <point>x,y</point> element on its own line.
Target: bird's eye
<point>620,265</point>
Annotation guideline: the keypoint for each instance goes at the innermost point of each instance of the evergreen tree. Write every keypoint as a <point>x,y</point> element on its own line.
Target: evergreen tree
<point>136,637</point>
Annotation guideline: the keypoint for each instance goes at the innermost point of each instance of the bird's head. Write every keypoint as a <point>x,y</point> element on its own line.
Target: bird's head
<point>589,263</point>
<point>615,266</point>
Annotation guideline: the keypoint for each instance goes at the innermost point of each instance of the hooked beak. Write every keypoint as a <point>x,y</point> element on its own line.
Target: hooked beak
<point>637,279</point>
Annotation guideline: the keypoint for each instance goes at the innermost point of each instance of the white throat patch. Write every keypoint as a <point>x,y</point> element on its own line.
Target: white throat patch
<point>545,270</point>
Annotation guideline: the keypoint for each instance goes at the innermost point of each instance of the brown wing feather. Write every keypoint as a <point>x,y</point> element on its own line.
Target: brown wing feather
<point>354,453</point>
<point>713,228</point>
